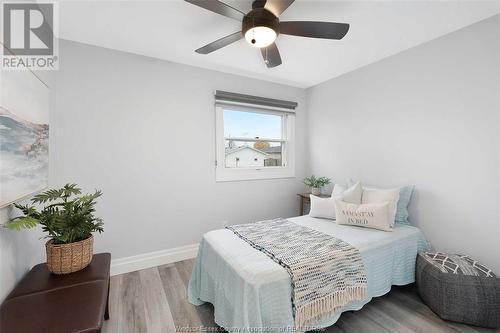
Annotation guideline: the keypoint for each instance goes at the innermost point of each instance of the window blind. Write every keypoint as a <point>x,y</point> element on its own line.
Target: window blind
<point>226,97</point>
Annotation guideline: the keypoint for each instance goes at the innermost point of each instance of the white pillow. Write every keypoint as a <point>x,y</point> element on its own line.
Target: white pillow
<point>325,207</point>
<point>322,207</point>
<point>372,196</point>
<point>374,215</point>
<point>353,194</point>
<point>338,189</point>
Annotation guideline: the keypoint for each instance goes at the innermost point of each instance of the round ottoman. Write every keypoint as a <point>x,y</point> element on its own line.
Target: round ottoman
<point>458,288</point>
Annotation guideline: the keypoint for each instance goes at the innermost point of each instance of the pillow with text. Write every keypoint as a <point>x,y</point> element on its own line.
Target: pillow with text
<point>375,215</point>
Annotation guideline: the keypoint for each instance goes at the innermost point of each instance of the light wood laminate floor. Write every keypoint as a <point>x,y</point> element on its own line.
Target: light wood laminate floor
<point>154,300</point>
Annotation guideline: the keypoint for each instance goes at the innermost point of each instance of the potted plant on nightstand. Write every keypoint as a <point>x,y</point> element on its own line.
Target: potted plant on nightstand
<point>316,183</point>
<point>68,219</point>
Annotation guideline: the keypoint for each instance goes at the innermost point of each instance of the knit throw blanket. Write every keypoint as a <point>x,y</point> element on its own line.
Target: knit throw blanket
<point>326,272</point>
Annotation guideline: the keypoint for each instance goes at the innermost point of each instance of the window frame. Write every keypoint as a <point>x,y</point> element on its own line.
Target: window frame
<point>223,174</point>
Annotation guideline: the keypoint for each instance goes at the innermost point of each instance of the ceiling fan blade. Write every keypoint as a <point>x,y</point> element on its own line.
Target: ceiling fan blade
<point>329,30</point>
<point>219,8</point>
<point>277,7</point>
<point>271,55</point>
<point>220,43</point>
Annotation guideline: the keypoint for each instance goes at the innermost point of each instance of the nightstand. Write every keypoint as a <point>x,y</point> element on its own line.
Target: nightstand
<point>306,200</point>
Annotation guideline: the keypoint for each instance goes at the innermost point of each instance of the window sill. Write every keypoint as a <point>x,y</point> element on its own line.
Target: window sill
<point>233,175</point>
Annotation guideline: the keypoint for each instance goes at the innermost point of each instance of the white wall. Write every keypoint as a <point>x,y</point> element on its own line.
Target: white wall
<point>429,116</point>
<point>19,251</point>
<point>143,131</point>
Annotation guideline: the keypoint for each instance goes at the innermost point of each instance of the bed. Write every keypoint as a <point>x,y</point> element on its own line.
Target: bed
<point>250,291</point>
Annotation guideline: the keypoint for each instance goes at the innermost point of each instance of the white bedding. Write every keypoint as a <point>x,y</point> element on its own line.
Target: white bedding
<point>249,290</point>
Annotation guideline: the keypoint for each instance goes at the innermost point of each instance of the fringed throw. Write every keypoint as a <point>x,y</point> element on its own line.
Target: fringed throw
<point>326,272</point>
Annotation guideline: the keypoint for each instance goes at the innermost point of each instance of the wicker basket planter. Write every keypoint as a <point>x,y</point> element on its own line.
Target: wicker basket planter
<point>69,258</point>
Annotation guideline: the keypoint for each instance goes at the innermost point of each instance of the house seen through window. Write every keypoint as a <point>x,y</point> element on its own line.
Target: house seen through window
<point>252,139</point>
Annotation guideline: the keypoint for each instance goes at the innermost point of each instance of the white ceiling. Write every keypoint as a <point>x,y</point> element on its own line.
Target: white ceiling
<point>173,29</point>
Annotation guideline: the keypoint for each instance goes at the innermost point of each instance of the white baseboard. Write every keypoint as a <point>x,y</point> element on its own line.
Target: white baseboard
<point>152,259</point>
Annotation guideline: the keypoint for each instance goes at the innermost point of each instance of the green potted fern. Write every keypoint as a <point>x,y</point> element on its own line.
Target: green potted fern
<point>68,219</point>
<point>316,183</point>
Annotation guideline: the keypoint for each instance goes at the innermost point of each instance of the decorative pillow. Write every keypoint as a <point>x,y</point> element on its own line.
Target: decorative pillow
<point>372,196</point>
<point>322,207</point>
<point>338,189</point>
<point>375,215</point>
<point>352,194</point>
<point>325,207</point>
<point>405,194</point>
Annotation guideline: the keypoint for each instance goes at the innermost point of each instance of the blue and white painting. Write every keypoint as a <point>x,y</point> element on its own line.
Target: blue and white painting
<point>24,135</point>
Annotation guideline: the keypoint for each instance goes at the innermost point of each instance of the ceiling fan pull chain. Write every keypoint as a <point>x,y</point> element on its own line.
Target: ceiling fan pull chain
<point>253,31</point>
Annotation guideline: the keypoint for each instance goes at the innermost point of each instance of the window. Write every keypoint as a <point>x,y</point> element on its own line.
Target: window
<point>253,143</point>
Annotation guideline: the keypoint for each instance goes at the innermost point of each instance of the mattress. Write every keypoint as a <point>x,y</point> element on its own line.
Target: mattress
<point>250,292</point>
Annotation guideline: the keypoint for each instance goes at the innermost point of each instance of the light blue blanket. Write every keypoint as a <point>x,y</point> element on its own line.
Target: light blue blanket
<point>250,291</point>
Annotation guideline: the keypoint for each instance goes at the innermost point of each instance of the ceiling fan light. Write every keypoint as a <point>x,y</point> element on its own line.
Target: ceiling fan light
<point>260,36</point>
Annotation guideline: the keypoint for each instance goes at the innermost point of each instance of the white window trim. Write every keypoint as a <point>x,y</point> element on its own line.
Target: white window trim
<point>223,174</point>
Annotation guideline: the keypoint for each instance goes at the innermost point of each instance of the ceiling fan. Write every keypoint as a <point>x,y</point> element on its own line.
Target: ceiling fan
<point>261,26</point>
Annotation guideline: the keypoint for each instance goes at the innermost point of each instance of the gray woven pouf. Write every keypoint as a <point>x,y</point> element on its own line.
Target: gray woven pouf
<point>458,288</point>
